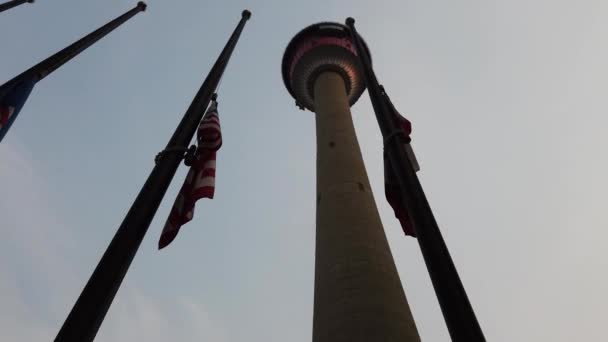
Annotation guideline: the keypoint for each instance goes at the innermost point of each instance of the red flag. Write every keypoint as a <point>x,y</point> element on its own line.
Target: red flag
<point>391,185</point>
<point>200,181</point>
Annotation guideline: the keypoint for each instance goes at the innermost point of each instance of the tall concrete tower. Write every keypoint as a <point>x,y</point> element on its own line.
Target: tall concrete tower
<point>358,293</point>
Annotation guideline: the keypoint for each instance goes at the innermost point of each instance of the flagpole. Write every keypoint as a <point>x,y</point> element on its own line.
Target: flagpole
<point>457,310</point>
<point>13,3</point>
<point>52,63</point>
<point>88,313</point>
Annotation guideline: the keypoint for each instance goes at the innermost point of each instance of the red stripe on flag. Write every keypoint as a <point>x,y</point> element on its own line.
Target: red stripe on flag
<point>208,173</point>
<point>166,238</point>
<point>392,190</point>
<point>204,192</point>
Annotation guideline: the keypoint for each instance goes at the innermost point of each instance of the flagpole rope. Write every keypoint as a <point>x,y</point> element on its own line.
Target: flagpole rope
<point>189,153</point>
<point>219,84</point>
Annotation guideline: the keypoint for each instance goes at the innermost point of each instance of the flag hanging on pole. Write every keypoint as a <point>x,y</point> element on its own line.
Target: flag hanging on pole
<point>11,103</point>
<point>87,314</point>
<point>391,185</point>
<point>200,181</point>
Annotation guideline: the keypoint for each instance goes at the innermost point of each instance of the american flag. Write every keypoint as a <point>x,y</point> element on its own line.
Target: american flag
<point>200,181</point>
<point>391,185</point>
<point>12,102</point>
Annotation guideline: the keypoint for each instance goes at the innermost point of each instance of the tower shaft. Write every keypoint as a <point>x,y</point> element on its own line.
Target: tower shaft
<point>358,293</point>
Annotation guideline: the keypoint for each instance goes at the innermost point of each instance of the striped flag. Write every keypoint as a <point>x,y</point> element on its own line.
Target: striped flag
<point>392,190</point>
<point>200,181</point>
<point>12,102</point>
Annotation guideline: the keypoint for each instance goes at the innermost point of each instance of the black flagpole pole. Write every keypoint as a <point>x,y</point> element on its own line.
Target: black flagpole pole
<point>457,310</point>
<point>52,63</point>
<point>86,316</point>
<point>13,3</point>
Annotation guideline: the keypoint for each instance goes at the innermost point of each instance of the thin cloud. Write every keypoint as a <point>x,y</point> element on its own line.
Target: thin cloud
<point>37,278</point>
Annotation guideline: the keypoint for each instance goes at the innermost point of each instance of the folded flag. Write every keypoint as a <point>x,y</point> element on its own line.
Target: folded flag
<point>392,190</point>
<point>200,181</point>
<point>11,103</point>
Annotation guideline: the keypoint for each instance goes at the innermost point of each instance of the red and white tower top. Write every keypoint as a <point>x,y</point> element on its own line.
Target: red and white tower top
<point>318,48</point>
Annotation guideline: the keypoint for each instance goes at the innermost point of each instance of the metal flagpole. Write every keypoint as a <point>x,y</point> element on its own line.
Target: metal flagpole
<point>13,3</point>
<point>457,310</point>
<point>50,64</point>
<point>88,313</point>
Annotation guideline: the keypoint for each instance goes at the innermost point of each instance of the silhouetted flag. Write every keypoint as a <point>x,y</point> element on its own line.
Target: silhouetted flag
<point>12,102</point>
<point>200,181</point>
<point>391,185</point>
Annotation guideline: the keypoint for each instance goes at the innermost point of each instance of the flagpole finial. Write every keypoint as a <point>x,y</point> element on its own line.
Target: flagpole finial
<point>350,22</point>
<point>246,14</point>
<point>142,6</point>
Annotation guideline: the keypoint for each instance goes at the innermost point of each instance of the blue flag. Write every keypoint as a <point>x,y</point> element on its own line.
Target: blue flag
<point>12,102</point>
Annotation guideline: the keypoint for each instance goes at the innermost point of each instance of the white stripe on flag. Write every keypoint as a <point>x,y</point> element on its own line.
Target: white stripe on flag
<point>209,164</point>
<point>208,181</point>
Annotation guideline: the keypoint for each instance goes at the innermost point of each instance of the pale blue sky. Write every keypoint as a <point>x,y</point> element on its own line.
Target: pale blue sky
<point>508,105</point>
